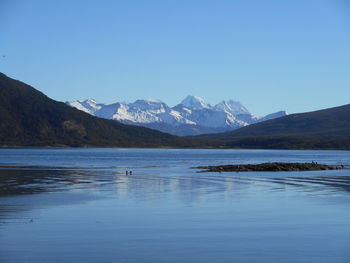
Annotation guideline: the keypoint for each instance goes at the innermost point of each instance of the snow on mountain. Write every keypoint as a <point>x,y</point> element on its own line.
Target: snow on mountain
<point>248,118</point>
<point>153,105</point>
<point>89,105</point>
<point>234,107</point>
<point>274,115</point>
<point>175,118</point>
<point>107,111</point>
<point>214,119</point>
<point>191,117</point>
<point>195,103</point>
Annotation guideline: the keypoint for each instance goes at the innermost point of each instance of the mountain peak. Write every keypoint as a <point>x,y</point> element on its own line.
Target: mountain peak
<point>195,102</point>
<point>232,106</point>
<point>89,105</point>
<point>92,101</point>
<point>150,104</point>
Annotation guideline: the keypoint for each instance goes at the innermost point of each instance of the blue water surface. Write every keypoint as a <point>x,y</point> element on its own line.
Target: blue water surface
<point>78,205</point>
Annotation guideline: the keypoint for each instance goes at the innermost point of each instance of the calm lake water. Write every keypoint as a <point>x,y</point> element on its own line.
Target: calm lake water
<point>77,205</point>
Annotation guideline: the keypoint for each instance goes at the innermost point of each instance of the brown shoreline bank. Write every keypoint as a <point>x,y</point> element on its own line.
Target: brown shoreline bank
<point>269,167</point>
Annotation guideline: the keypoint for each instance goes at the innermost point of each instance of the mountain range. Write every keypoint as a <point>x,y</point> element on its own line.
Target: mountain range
<point>192,116</point>
<point>30,118</point>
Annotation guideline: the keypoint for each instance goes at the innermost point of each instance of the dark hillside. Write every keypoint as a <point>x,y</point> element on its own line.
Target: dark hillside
<point>322,129</point>
<point>29,118</point>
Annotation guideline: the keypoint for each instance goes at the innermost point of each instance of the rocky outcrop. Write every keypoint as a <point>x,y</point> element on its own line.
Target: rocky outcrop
<point>269,167</point>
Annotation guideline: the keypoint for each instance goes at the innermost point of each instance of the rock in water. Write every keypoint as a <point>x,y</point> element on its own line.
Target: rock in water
<point>269,167</point>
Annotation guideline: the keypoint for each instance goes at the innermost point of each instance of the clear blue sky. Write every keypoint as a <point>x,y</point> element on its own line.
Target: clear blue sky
<point>270,54</point>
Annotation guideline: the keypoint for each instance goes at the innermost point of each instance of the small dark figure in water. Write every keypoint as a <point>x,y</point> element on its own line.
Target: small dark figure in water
<point>130,172</point>
<point>126,172</point>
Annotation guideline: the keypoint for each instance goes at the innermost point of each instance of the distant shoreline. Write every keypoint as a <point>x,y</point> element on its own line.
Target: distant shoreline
<point>163,147</point>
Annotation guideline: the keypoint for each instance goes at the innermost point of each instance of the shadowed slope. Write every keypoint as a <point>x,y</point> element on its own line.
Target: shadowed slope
<point>322,129</point>
<point>29,118</point>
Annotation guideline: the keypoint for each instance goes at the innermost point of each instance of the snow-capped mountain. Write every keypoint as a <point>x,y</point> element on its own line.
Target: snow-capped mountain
<point>89,106</point>
<point>192,116</point>
<point>194,103</point>
<point>234,107</point>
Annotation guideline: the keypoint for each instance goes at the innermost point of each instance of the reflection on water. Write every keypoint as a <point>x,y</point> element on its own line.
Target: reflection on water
<point>88,210</point>
<point>20,180</point>
<point>189,188</point>
<point>30,180</point>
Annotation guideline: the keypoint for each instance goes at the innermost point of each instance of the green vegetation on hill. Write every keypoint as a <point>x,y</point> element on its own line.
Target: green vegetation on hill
<point>29,118</point>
